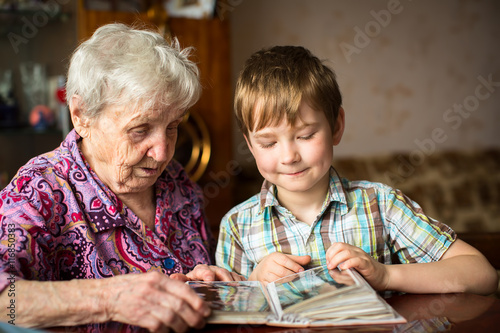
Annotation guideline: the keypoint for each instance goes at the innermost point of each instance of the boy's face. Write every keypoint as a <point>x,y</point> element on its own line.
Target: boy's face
<point>297,157</point>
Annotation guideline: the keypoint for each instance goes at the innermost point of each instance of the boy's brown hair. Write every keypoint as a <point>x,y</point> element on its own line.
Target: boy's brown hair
<point>275,81</point>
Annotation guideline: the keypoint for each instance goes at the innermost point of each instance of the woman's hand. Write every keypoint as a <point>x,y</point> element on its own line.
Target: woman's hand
<point>348,256</point>
<point>277,265</point>
<point>150,300</point>
<point>156,302</point>
<point>208,273</point>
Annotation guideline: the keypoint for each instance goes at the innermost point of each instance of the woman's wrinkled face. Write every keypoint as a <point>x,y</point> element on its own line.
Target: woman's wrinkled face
<point>129,149</point>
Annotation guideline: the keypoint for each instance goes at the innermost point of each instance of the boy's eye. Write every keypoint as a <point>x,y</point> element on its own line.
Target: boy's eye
<point>267,144</point>
<point>307,137</point>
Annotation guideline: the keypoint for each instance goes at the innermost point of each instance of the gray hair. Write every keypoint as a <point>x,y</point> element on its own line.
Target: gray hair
<point>122,65</point>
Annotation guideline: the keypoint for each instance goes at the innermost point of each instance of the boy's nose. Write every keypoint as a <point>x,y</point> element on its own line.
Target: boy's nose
<point>289,154</point>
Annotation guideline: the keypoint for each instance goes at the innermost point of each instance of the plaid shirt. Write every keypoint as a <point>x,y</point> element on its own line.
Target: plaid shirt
<point>372,216</point>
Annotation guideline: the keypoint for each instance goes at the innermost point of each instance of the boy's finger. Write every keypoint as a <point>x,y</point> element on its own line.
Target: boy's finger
<point>278,273</point>
<point>339,258</point>
<point>333,250</point>
<point>302,260</point>
<point>288,262</point>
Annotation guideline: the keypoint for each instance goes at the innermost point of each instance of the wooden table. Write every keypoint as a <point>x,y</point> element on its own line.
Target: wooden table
<point>425,313</point>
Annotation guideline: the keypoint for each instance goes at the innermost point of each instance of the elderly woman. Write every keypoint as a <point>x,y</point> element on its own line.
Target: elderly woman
<point>110,200</point>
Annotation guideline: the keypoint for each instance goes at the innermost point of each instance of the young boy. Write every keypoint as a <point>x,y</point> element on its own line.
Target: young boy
<point>289,109</point>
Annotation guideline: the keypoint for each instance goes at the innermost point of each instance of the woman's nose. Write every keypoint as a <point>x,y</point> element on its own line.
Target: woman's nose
<point>159,148</point>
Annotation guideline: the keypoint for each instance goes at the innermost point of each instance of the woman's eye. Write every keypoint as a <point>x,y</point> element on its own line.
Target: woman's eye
<point>174,126</point>
<point>138,133</point>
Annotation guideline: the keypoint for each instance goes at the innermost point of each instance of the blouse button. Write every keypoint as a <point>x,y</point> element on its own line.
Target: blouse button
<point>169,263</point>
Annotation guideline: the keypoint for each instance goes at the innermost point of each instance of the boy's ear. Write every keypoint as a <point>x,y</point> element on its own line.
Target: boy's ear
<point>80,121</point>
<point>338,131</point>
<point>248,143</point>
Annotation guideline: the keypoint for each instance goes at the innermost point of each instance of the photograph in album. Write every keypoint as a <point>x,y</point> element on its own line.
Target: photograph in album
<point>315,297</point>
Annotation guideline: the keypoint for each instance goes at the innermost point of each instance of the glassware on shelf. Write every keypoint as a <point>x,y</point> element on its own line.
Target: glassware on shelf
<point>34,83</point>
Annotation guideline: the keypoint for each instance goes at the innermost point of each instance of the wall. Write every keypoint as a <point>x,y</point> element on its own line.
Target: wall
<point>412,73</point>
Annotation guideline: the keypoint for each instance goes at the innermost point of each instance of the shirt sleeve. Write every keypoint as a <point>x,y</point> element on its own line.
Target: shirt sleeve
<point>414,236</point>
<point>24,239</point>
<point>230,252</point>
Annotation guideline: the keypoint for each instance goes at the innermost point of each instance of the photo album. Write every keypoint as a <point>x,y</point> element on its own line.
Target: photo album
<point>312,298</point>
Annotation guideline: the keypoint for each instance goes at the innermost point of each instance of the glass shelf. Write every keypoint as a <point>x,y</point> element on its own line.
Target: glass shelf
<point>51,13</point>
<point>13,20</point>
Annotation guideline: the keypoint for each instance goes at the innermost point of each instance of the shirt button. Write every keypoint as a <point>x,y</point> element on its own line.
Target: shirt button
<point>169,263</point>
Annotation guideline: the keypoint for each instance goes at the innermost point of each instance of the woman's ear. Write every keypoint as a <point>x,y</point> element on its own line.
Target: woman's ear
<point>79,120</point>
<point>338,131</point>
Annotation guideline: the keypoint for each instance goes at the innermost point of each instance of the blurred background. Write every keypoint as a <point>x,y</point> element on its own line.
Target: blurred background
<point>420,82</point>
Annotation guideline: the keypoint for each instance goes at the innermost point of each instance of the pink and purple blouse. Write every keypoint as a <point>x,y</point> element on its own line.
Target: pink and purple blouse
<point>60,222</point>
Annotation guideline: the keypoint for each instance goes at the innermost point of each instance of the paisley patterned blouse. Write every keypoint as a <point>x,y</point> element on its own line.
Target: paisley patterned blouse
<point>60,222</point>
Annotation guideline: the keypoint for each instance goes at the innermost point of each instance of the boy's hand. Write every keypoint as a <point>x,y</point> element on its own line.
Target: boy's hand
<point>348,256</point>
<point>277,265</point>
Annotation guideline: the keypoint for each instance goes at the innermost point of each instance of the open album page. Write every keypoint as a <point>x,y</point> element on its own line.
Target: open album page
<point>234,302</point>
<point>322,297</point>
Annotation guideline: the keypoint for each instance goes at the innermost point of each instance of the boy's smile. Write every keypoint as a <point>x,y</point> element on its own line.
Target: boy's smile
<point>296,173</point>
<point>297,157</point>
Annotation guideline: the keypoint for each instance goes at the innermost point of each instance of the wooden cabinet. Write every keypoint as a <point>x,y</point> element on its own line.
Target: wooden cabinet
<point>210,38</point>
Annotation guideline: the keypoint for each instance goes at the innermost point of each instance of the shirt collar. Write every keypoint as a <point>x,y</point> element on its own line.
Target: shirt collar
<point>100,205</point>
<point>104,210</point>
<point>336,193</point>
